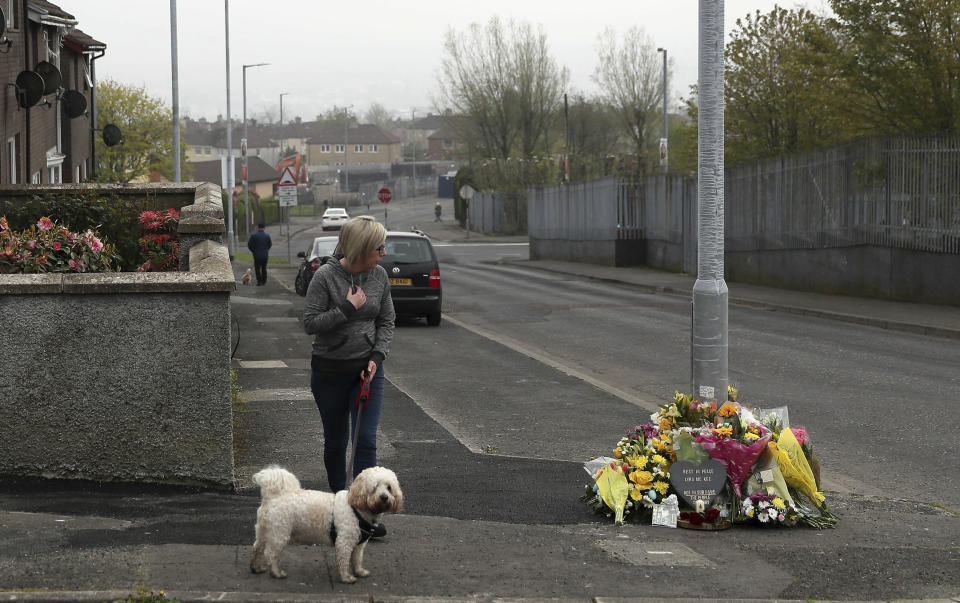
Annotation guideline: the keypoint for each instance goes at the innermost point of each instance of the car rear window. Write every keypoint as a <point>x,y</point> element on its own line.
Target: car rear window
<point>321,248</point>
<point>408,250</point>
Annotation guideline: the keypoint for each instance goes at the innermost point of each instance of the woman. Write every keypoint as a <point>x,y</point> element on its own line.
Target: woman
<point>349,310</point>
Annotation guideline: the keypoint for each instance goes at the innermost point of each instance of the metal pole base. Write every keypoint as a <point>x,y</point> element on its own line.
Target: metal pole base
<point>709,340</point>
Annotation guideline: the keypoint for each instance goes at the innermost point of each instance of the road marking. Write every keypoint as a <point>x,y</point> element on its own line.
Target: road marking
<point>556,364</point>
<point>262,364</point>
<point>481,244</point>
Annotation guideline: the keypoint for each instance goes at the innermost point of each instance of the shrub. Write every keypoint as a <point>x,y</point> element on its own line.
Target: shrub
<point>161,242</point>
<point>49,247</point>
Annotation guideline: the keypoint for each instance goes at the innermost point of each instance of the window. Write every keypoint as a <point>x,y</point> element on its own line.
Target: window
<point>12,152</point>
<point>324,148</point>
<point>206,150</point>
<point>373,148</point>
<point>35,178</point>
<point>447,143</point>
<point>339,148</point>
<point>358,148</point>
<point>12,9</point>
<point>54,166</point>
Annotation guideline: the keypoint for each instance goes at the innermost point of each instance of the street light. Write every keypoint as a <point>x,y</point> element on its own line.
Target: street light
<point>231,177</point>
<point>663,151</point>
<point>282,94</point>
<point>346,157</point>
<point>243,150</point>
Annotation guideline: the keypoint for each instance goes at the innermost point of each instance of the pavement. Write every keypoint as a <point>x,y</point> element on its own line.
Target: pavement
<point>68,541</point>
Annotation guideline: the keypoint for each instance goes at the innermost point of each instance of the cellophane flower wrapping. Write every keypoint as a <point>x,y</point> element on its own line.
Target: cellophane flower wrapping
<point>738,457</point>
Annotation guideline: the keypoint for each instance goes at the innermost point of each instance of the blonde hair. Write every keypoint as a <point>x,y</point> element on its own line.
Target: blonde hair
<point>360,236</point>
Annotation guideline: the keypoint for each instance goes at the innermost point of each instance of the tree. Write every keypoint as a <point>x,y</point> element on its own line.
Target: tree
<point>337,116</point>
<point>900,61</point>
<point>590,135</point>
<point>377,114</point>
<point>630,77</point>
<point>782,87</point>
<point>147,127</point>
<point>506,84</point>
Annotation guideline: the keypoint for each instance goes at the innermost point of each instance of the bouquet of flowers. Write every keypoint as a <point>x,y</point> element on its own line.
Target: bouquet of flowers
<point>686,429</point>
<point>736,439</point>
<point>768,510</point>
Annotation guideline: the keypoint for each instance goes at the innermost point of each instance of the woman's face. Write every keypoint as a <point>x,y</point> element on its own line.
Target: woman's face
<point>372,259</point>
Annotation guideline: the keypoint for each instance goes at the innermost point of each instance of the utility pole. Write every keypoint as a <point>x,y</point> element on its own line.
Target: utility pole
<point>413,115</point>
<point>282,94</point>
<point>231,177</point>
<point>663,142</point>
<point>243,150</point>
<point>176,93</point>
<point>710,296</point>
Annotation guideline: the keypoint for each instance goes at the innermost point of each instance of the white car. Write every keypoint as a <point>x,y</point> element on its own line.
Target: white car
<point>334,218</point>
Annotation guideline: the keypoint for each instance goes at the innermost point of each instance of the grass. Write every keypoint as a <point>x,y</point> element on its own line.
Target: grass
<point>248,258</point>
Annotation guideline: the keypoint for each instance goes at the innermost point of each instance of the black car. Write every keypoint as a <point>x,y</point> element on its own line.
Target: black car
<point>312,259</point>
<point>414,272</point>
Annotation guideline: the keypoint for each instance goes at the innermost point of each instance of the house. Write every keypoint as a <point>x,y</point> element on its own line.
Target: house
<point>445,144</point>
<point>262,178</point>
<point>357,145</point>
<point>49,68</point>
<point>206,141</point>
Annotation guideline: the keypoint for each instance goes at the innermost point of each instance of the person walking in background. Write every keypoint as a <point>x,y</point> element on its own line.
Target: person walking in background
<point>349,311</point>
<point>437,210</point>
<point>259,244</point>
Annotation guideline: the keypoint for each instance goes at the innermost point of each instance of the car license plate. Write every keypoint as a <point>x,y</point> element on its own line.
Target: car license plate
<point>401,281</point>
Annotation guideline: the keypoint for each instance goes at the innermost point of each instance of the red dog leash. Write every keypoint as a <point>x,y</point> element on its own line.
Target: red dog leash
<point>363,395</point>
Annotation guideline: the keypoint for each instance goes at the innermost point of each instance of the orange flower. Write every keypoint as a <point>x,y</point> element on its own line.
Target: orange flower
<point>643,479</point>
<point>727,410</point>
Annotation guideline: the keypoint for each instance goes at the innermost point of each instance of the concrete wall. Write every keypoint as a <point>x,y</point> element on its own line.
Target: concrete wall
<point>863,270</point>
<point>122,376</point>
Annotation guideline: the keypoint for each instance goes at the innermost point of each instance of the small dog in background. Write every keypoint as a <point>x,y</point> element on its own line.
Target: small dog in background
<point>344,520</point>
<point>247,276</point>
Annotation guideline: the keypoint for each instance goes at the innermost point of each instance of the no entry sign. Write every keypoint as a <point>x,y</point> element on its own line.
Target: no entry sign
<point>384,195</point>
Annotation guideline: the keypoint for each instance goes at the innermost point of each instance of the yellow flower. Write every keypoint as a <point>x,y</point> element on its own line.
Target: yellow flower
<point>778,503</point>
<point>724,431</point>
<point>665,424</point>
<point>637,461</point>
<point>617,453</point>
<point>673,412</point>
<point>751,435</point>
<point>643,479</point>
<point>661,487</point>
<point>750,513</point>
<point>636,493</point>
<point>659,459</point>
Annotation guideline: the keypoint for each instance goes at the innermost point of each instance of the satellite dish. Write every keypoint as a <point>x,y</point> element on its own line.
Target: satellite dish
<point>50,74</point>
<point>111,135</point>
<point>29,88</point>
<point>74,103</point>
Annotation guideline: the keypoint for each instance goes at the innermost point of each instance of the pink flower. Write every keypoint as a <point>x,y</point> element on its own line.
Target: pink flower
<point>31,244</point>
<point>45,223</point>
<point>76,265</point>
<point>147,216</point>
<point>57,246</point>
<point>801,435</point>
<point>95,244</point>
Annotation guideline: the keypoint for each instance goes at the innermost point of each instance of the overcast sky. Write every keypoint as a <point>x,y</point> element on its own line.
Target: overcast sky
<point>356,53</point>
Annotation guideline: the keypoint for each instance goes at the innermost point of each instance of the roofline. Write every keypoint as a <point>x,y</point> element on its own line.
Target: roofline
<point>39,15</point>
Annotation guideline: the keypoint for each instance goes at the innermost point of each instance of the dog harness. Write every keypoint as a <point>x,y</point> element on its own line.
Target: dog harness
<point>367,529</point>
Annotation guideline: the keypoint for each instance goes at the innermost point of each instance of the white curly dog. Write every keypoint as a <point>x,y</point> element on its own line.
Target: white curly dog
<point>344,520</point>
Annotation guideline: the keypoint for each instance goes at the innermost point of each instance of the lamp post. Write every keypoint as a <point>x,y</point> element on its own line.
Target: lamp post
<point>282,94</point>
<point>413,116</point>
<point>346,157</point>
<point>663,152</point>
<point>246,186</point>
<point>231,177</point>
<point>176,91</point>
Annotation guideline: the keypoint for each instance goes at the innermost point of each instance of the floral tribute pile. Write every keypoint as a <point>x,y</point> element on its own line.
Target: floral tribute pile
<point>772,473</point>
<point>51,247</point>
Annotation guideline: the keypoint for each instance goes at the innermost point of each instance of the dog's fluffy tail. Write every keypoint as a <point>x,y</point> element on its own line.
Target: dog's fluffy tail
<point>274,481</point>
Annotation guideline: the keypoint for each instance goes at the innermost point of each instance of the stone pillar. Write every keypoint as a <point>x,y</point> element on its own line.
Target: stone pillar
<point>202,221</point>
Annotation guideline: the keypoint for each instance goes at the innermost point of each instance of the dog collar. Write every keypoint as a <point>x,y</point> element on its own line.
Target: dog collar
<point>366,529</point>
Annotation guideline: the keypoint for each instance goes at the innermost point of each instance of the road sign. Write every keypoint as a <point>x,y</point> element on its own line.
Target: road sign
<point>287,188</point>
<point>287,178</point>
<point>384,195</point>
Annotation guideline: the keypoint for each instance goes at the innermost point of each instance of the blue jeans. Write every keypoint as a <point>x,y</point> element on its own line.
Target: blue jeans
<point>336,395</point>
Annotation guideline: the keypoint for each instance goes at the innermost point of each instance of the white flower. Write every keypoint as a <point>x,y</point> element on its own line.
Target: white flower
<point>763,517</point>
<point>772,512</point>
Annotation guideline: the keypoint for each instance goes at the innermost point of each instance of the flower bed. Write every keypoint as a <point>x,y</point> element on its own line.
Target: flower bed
<point>739,465</point>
